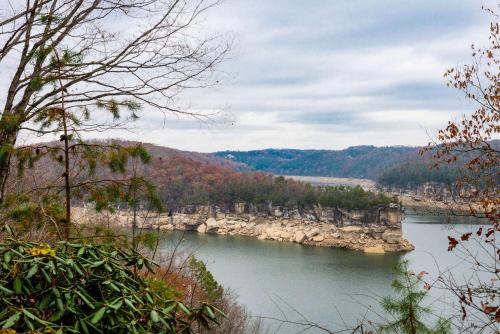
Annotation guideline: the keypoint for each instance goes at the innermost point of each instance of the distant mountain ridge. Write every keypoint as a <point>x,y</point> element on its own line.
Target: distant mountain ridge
<point>358,161</point>
<point>389,165</point>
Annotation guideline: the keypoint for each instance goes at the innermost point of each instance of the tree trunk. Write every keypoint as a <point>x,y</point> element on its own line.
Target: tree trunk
<point>7,141</point>
<point>67,185</point>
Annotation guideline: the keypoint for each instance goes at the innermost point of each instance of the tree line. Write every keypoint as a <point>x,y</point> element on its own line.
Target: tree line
<point>220,186</point>
<point>412,174</point>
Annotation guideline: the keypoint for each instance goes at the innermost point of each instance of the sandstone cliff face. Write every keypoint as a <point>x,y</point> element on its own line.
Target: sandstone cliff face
<point>386,215</point>
<point>377,230</point>
<point>432,191</point>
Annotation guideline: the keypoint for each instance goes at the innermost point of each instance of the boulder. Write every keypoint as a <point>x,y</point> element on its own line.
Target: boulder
<point>318,238</point>
<point>378,249</point>
<point>351,232</point>
<point>202,228</point>
<point>312,233</point>
<point>211,225</point>
<point>273,232</point>
<point>299,237</point>
<point>211,221</point>
<point>402,246</point>
<point>392,236</point>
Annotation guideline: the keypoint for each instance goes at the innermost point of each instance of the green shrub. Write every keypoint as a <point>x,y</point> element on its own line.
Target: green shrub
<point>207,281</point>
<point>85,288</point>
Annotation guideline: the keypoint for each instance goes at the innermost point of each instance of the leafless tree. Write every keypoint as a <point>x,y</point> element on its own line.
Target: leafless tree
<point>470,142</point>
<point>95,55</point>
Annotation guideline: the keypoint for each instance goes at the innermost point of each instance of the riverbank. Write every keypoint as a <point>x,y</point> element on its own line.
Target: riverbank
<point>428,206</point>
<point>369,239</point>
<point>371,231</point>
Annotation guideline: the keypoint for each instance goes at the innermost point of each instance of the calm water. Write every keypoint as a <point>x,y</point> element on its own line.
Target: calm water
<point>329,286</point>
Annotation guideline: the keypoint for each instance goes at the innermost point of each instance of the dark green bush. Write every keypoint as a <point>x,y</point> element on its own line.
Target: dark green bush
<point>207,281</point>
<point>85,288</point>
<point>352,197</point>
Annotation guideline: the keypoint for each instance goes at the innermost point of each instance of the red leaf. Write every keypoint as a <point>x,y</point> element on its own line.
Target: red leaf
<point>465,236</point>
<point>490,232</point>
<point>452,243</point>
<point>489,309</point>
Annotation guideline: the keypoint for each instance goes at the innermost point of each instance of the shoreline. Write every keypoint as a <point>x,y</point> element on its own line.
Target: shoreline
<point>368,238</point>
<point>426,206</point>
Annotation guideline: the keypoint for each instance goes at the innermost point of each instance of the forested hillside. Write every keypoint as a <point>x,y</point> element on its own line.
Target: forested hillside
<point>185,178</point>
<point>358,161</point>
<point>418,169</point>
<point>196,178</point>
<point>414,173</point>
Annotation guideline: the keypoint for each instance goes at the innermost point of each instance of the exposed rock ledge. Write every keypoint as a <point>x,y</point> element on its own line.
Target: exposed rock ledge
<point>377,230</point>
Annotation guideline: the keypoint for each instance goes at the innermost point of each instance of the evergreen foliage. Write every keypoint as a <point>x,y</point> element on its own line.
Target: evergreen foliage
<point>289,193</point>
<point>260,188</point>
<point>210,286</point>
<point>410,315</point>
<point>83,288</point>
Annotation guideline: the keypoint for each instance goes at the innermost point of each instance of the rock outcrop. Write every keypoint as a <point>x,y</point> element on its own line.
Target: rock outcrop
<point>377,230</point>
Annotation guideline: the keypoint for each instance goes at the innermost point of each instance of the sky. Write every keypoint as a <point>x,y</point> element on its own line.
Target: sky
<point>326,74</point>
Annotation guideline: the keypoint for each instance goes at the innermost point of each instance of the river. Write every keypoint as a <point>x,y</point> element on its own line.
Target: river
<point>333,287</point>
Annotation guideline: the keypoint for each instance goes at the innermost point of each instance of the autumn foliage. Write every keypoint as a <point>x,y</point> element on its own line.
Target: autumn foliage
<point>469,142</point>
<point>184,178</point>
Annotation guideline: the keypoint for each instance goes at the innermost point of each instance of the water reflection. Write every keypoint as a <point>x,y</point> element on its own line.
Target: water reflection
<point>329,286</point>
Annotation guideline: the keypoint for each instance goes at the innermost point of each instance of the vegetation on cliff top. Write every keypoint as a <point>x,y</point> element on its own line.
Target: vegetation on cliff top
<point>258,188</point>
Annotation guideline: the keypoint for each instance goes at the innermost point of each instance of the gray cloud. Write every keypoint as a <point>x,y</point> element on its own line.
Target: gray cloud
<point>327,74</point>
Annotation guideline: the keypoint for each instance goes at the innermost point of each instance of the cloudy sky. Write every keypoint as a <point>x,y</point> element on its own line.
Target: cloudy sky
<point>328,74</point>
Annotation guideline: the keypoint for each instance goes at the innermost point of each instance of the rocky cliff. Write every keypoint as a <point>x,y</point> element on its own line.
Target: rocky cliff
<point>376,230</point>
<point>433,197</point>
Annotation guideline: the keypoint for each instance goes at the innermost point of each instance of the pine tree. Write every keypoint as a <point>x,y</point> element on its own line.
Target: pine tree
<point>407,308</point>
